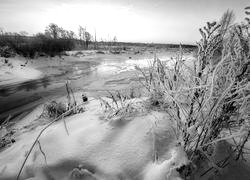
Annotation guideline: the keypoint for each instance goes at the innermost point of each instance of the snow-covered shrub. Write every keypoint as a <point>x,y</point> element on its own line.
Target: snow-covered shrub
<point>55,109</point>
<point>210,100</point>
<point>121,105</point>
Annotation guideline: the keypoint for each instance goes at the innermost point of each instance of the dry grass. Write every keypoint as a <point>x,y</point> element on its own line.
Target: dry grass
<point>120,105</point>
<point>54,109</point>
<point>6,133</point>
<point>210,99</point>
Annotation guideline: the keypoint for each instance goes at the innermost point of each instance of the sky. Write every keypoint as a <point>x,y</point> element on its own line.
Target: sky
<point>150,21</point>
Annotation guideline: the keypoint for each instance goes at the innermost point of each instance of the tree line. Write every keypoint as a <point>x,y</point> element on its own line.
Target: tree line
<point>52,42</point>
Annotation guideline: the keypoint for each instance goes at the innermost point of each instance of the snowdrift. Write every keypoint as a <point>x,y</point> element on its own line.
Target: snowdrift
<point>141,147</point>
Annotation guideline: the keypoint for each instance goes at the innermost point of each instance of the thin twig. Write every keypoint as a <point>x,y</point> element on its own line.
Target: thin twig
<point>40,133</point>
<point>44,155</point>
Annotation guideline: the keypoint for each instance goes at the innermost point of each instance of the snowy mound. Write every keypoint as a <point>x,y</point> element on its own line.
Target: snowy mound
<point>13,71</point>
<point>141,147</point>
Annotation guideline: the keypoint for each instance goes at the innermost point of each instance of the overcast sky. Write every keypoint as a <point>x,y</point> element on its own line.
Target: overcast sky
<point>163,21</point>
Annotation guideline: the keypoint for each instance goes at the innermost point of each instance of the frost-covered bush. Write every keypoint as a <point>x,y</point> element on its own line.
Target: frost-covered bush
<point>210,100</point>
<point>54,109</point>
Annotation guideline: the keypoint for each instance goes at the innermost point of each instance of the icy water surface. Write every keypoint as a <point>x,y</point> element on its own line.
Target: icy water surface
<point>17,98</point>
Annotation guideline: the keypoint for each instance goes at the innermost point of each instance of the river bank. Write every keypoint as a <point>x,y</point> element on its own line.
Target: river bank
<point>88,71</point>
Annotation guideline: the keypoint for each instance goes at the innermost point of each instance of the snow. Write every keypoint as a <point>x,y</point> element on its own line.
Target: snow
<point>106,151</point>
<point>15,71</point>
<point>167,169</point>
<point>110,68</point>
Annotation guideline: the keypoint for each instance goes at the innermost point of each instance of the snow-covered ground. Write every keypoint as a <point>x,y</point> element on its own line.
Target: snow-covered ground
<point>13,70</point>
<point>95,148</point>
<point>98,149</point>
<point>142,62</point>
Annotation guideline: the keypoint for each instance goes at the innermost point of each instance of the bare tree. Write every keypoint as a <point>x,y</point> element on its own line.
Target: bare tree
<point>81,32</point>
<point>84,36</point>
<point>1,31</point>
<point>63,33</point>
<point>71,34</point>
<point>53,31</point>
<point>88,38</point>
<point>115,41</point>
